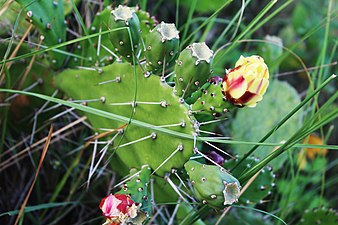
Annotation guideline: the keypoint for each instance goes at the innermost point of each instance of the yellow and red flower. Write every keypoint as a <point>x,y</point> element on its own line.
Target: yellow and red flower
<point>246,84</point>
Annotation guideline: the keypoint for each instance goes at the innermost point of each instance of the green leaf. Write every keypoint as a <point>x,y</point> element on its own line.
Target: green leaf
<point>38,207</point>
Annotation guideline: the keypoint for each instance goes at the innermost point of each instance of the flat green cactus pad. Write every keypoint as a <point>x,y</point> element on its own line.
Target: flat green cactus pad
<point>155,104</point>
<point>322,216</point>
<point>48,17</point>
<point>253,124</point>
<point>260,188</point>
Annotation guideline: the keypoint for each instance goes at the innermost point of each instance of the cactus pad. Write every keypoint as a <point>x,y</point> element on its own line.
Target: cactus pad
<point>260,187</point>
<point>155,104</point>
<point>125,17</point>
<point>162,45</point>
<point>211,100</point>
<point>48,17</point>
<point>192,69</point>
<point>212,184</point>
<point>322,216</point>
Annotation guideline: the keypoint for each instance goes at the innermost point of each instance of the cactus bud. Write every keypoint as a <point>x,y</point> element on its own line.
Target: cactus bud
<point>246,84</point>
<point>192,68</point>
<point>210,99</point>
<point>124,16</point>
<point>212,184</point>
<point>162,45</point>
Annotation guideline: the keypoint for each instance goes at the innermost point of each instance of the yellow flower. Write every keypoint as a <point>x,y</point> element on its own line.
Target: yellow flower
<point>246,84</point>
<point>310,153</point>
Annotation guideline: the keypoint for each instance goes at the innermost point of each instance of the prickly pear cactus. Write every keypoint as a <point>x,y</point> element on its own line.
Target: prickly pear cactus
<point>137,187</point>
<point>48,17</point>
<point>213,185</point>
<point>126,41</point>
<point>210,100</point>
<point>162,45</point>
<point>192,69</point>
<point>323,216</point>
<point>130,90</point>
<point>260,188</point>
<point>116,89</point>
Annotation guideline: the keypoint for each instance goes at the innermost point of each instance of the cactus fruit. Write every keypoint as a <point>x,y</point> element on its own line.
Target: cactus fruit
<point>212,184</point>
<point>211,100</point>
<point>260,188</point>
<point>192,69</point>
<point>162,45</point>
<point>126,43</point>
<point>113,87</point>
<point>323,216</point>
<point>48,17</point>
<point>137,187</point>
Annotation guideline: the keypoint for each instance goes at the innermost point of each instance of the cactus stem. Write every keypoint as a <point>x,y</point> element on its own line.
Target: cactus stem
<point>168,158</point>
<point>218,149</point>
<point>117,80</point>
<point>153,136</point>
